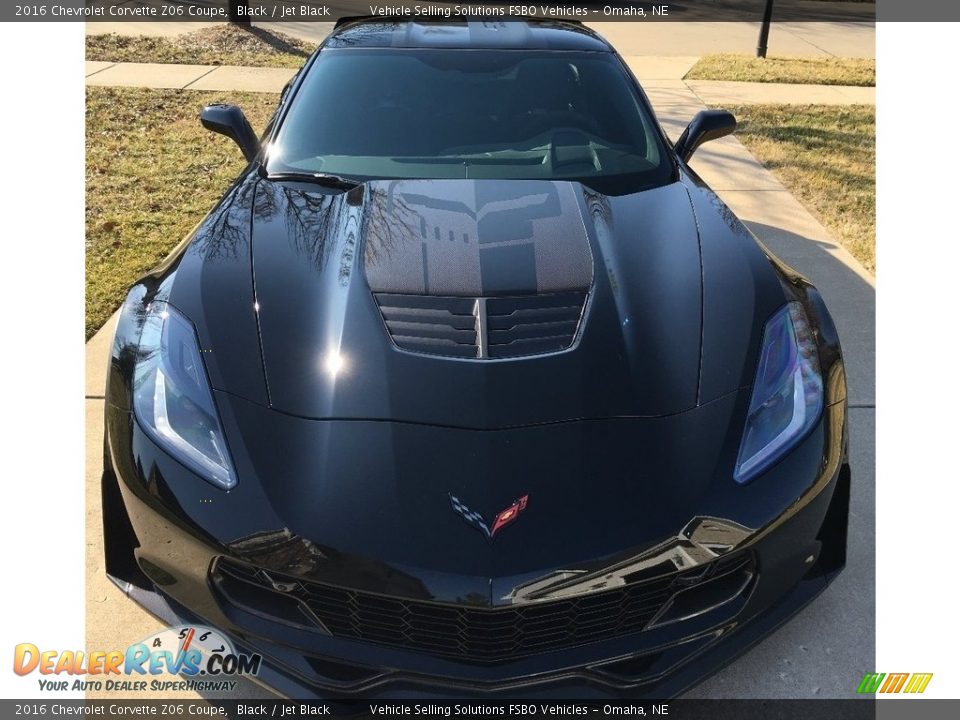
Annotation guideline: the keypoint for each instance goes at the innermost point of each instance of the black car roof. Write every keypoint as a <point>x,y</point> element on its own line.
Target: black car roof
<point>371,32</point>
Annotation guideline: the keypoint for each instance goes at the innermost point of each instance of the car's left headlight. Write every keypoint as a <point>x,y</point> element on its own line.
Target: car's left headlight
<point>172,398</point>
<point>787,394</point>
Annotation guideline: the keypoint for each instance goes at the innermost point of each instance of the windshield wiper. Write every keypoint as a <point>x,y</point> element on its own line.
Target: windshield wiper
<point>319,178</point>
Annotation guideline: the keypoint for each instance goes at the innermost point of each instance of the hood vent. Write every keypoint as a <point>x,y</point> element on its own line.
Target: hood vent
<point>483,328</point>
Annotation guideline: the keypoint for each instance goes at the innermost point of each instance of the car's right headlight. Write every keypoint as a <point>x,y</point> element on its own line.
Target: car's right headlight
<point>172,398</point>
<point>787,394</point>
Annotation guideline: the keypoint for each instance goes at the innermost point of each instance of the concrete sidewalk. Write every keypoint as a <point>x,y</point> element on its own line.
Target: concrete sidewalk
<point>723,92</point>
<point>818,653</point>
<point>650,70</point>
<point>187,77</point>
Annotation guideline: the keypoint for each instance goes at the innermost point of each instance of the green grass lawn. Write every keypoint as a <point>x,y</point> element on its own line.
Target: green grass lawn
<point>152,173</point>
<point>826,156</point>
<point>217,45</point>
<point>805,70</point>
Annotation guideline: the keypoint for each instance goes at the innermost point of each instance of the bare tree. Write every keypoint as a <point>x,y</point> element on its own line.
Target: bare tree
<point>239,12</point>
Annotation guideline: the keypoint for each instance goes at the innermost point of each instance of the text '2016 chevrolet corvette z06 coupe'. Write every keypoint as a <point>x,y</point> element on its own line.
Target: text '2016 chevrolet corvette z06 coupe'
<point>469,385</point>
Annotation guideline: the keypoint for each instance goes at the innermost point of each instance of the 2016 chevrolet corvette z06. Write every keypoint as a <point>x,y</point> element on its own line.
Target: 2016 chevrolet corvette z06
<point>469,385</point>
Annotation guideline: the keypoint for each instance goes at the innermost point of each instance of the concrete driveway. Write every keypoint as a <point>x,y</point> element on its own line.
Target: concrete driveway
<point>825,650</point>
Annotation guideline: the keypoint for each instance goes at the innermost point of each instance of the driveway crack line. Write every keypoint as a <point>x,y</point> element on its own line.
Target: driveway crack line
<point>97,72</point>
<point>198,79</point>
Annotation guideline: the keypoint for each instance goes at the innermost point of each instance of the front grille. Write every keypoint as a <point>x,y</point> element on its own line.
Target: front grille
<point>485,328</point>
<point>481,634</point>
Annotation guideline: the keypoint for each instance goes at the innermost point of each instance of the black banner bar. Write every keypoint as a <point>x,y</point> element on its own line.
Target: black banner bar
<point>314,11</point>
<point>854,709</point>
<point>864,708</point>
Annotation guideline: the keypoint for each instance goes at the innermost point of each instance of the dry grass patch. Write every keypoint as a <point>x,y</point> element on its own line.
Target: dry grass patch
<point>216,45</point>
<point>805,70</point>
<point>152,173</point>
<point>826,156</point>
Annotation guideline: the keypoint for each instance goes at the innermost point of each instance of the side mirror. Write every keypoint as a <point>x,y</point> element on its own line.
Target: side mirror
<point>706,125</point>
<point>229,120</point>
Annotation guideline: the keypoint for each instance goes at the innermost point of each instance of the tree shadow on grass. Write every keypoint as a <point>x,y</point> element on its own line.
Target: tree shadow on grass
<point>275,42</point>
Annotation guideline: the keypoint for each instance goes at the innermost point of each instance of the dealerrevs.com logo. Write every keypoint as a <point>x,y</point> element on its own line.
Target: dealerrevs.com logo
<point>203,658</point>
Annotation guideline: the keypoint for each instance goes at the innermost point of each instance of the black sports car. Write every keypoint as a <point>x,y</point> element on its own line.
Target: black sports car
<point>469,385</point>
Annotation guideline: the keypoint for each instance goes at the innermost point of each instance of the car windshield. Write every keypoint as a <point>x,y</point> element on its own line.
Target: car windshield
<point>442,113</point>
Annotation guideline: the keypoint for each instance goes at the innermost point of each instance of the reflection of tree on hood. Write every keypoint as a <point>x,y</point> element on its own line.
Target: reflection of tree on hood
<point>388,221</point>
<point>226,231</point>
<point>316,224</point>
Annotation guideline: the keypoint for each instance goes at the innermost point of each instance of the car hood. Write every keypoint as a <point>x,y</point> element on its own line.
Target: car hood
<point>321,259</point>
<point>619,443</point>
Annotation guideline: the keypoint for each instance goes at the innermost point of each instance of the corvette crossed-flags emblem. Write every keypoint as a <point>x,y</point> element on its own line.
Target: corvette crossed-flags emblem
<point>475,519</point>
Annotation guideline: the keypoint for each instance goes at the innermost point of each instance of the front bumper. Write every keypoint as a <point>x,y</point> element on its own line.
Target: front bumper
<point>161,560</point>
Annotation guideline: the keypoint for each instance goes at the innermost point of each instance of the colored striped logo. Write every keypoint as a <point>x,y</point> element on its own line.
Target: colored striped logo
<point>894,683</point>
